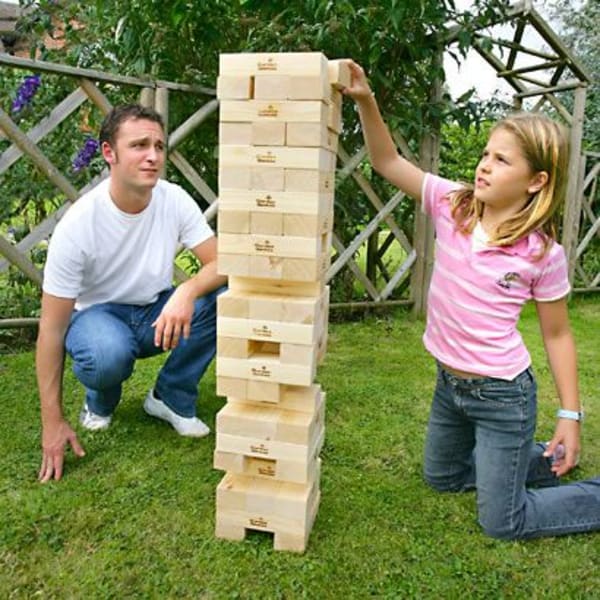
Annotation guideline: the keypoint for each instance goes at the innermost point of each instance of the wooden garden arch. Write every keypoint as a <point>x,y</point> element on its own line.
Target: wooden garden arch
<point>547,76</point>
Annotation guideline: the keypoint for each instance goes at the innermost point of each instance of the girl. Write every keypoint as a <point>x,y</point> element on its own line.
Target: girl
<point>495,250</point>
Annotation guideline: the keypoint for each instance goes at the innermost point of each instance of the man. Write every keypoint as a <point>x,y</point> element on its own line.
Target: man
<point>108,297</point>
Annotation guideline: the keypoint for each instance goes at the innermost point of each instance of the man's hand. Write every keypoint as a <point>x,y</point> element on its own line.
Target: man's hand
<point>567,434</point>
<point>53,450</point>
<point>175,319</point>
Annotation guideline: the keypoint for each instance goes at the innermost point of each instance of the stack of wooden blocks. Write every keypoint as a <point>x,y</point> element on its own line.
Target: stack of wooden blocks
<point>280,116</point>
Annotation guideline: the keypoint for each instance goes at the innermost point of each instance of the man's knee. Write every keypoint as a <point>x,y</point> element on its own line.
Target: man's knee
<point>104,364</point>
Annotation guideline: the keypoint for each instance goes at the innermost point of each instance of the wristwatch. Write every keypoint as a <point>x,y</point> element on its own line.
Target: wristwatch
<point>574,415</point>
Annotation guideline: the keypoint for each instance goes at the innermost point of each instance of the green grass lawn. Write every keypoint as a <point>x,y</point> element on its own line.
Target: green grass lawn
<point>135,517</point>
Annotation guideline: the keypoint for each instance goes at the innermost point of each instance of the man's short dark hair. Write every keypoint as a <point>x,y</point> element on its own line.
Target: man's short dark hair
<point>119,114</point>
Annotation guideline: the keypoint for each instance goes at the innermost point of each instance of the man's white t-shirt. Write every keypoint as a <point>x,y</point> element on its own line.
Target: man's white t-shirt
<point>99,253</point>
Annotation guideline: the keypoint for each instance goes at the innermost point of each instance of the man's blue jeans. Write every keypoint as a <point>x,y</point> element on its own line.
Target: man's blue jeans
<point>105,340</point>
<point>480,435</point>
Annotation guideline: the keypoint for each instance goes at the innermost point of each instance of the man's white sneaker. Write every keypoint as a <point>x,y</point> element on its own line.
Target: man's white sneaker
<point>91,421</point>
<point>188,426</point>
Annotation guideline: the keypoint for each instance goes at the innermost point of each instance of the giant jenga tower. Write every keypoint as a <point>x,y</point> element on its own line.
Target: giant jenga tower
<point>279,122</point>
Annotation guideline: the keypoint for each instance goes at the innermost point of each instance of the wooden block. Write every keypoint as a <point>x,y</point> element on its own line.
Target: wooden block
<point>265,367</point>
<point>258,262</point>
<point>282,63</point>
<point>266,223</point>
<point>302,398</point>
<point>272,87</point>
<point>308,180</point>
<point>265,267</point>
<point>270,466</point>
<point>232,386</point>
<point>307,334</point>
<point>334,117</point>
<point>233,347</point>
<point>263,389</point>
<point>339,73</point>
<point>297,354</point>
<point>266,468</point>
<point>265,307</point>
<point>295,309</point>
<point>298,309</point>
<point>289,270</point>
<point>234,87</point>
<point>233,264</point>
<point>288,288</point>
<point>233,304</point>
<point>287,510</point>
<point>267,179</point>
<point>336,98</point>
<point>305,225</point>
<point>265,133</point>
<point>279,433</point>
<point>298,269</point>
<point>297,203</point>
<point>309,87</point>
<point>300,111</point>
<point>288,397</point>
<point>233,527</point>
<point>234,222</point>
<point>276,157</point>
<point>235,178</point>
<point>310,135</point>
<point>276,246</point>
<point>235,133</point>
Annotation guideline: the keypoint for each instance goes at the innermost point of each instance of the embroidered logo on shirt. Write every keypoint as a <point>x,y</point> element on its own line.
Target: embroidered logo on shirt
<point>507,279</point>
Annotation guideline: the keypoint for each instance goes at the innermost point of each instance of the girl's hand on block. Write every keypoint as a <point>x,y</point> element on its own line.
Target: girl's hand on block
<point>359,88</point>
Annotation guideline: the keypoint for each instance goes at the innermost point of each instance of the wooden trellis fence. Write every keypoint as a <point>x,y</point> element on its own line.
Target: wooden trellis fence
<point>542,77</point>
<point>588,271</point>
<point>156,93</point>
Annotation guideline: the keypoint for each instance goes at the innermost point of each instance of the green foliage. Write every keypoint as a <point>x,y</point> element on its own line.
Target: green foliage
<point>461,150</point>
<point>580,31</point>
<point>397,41</point>
<point>135,517</point>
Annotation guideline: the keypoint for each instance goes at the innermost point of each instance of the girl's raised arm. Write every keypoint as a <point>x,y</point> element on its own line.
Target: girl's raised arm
<point>383,153</point>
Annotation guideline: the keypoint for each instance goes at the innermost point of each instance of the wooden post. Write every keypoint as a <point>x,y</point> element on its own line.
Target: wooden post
<point>20,261</point>
<point>96,96</point>
<point>161,104</point>
<point>371,257</point>
<point>147,97</point>
<point>574,197</point>
<point>37,157</point>
<point>424,234</point>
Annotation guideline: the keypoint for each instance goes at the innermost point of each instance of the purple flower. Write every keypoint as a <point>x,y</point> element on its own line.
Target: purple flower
<point>85,155</point>
<point>26,92</point>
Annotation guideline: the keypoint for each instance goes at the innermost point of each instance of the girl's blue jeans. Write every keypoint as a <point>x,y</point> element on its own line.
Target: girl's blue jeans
<point>480,435</point>
<point>105,340</point>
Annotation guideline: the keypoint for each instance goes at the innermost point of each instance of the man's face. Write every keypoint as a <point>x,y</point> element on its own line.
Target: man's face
<point>138,154</point>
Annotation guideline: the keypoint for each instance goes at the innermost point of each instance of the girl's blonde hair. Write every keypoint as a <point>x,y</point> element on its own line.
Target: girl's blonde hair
<point>545,146</point>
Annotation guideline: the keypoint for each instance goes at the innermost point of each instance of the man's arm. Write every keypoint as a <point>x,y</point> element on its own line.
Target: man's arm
<point>50,353</point>
<point>175,319</point>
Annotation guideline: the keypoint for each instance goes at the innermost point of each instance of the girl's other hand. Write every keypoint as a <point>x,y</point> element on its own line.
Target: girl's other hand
<point>359,88</point>
<point>568,434</point>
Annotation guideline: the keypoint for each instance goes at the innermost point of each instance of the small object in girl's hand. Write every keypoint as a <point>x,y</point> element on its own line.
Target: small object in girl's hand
<point>559,452</point>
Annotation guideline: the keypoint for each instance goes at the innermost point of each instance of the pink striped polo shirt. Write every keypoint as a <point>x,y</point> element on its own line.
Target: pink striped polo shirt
<point>477,291</point>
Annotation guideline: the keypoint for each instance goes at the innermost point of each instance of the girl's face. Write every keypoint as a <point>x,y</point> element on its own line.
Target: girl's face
<point>504,182</point>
